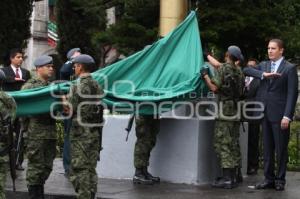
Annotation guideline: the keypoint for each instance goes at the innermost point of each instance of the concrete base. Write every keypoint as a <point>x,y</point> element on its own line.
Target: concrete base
<point>184,152</point>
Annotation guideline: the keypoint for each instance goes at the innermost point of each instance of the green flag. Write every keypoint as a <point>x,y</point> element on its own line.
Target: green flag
<point>166,71</point>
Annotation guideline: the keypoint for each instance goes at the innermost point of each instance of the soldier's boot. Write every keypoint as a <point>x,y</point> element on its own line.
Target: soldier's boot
<point>233,177</point>
<point>35,192</point>
<point>239,175</point>
<point>220,179</point>
<point>150,176</point>
<point>140,178</point>
<point>217,179</point>
<point>93,195</point>
<point>227,181</point>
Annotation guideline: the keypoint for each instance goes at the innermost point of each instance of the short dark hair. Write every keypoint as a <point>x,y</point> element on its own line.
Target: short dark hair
<point>88,67</point>
<point>279,42</point>
<point>232,58</point>
<point>13,52</point>
<point>253,59</point>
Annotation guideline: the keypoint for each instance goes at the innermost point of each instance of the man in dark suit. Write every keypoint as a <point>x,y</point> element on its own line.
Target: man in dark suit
<point>278,92</point>
<point>15,75</point>
<point>251,87</point>
<point>15,78</point>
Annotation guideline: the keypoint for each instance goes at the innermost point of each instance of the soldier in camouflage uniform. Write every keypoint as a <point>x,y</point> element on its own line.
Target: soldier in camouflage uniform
<point>228,84</point>
<point>7,113</point>
<point>84,104</point>
<point>41,149</point>
<point>147,128</point>
<point>66,73</point>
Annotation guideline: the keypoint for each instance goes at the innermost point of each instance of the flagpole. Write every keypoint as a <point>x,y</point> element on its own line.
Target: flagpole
<point>172,12</point>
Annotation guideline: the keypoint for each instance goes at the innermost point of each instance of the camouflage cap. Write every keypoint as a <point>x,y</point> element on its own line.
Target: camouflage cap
<point>2,75</point>
<point>72,51</point>
<point>236,52</point>
<point>43,60</point>
<point>83,59</point>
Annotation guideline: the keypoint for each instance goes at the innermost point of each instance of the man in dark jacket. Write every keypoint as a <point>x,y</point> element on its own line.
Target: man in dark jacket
<point>251,86</point>
<point>278,91</point>
<point>16,76</point>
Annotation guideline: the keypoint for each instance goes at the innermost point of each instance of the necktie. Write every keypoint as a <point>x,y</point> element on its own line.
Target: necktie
<point>273,67</point>
<point>17,73</point>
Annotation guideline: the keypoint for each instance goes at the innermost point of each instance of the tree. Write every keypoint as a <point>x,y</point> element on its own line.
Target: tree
<point>15,26</point>
<point>250,24</point>
<point>77,22</point>
<point>137,26</point>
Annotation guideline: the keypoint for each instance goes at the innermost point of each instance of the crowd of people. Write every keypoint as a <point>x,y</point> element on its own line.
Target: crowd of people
<point>82,131</point>
<point>273,83</point>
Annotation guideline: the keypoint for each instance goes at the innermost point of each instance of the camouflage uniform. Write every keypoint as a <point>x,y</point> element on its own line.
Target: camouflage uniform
<point>41,145</point>
<point>226,137</point>
<point>84,139</point>
<point>7,106</point>
<point>147,128</point>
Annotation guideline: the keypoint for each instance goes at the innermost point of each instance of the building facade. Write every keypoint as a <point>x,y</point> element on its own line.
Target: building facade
<point>38,43</point>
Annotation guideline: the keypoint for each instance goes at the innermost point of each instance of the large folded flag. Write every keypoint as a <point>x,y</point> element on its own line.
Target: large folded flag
<point>166,71</point>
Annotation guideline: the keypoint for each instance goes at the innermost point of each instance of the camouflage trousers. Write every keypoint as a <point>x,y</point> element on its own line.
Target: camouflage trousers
<point>146,130</point>
<point>84,154</point>
<point>226,143</point>
<point>3,172</point>
<point>40,154</point>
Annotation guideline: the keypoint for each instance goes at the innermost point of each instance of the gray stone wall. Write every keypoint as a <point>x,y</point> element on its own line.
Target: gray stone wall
<point>184,152</point>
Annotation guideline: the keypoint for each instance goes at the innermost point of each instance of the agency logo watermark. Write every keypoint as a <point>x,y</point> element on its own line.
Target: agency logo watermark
<point>200,106</point>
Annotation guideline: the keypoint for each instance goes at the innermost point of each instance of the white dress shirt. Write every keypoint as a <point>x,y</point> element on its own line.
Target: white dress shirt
<point>15,70</point>
<point>277,64</point>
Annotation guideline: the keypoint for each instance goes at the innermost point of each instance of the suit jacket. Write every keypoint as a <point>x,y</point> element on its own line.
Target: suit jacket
<point>250,96</point>
<point>279,95</point>
<point>66,71</point>
<point>253,87</point>
<point>10,84</point>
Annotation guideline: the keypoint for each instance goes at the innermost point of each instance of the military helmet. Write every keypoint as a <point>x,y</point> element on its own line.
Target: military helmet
<point>71,52</point>
<point>83,59</point>
<point>236,52</point>
<point>43,60</point>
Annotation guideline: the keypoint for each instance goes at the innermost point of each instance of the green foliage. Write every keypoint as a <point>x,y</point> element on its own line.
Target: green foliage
<point>137,27</point>
<point>77,22</point>
<point>294,146</point>
<point>250,24</point>
<point>15,25</point>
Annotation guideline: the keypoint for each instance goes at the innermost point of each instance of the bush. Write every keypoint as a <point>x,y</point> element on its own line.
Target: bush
<point>294,146</point>
<point>15,26</point>
<point>77,22</point>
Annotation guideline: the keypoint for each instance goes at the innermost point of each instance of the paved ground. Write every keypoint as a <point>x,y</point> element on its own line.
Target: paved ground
<point>58,187</point>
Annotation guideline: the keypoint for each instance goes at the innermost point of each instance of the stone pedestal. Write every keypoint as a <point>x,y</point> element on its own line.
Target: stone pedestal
<point>184,152</point>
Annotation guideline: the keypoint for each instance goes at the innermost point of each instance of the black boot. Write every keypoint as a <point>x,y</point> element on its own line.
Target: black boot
<point>233,177</point>
<point>140,178</point>
<point>93,195</point>
<point>239,175</point>
<point>35,192</point>
<point>151,177</point>
<point>227,181</point>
